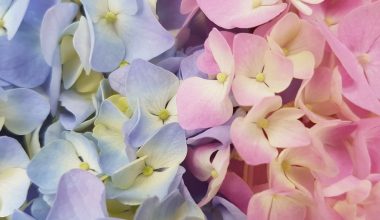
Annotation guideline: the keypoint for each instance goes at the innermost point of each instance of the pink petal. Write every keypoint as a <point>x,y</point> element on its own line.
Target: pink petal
<point>202,103</point>
<point>220,164</point>
<point>250,142</point>
<point>249,53</point>
<point>278,72</point>
<point>230,14</point>
<point>355,86</point>
<point>198,161</point>
<point>221,51</point>
<point>236,190</point>
<point>207,62</point>
<point>285,131</point>
<point>249,92</point>
<point>360,28</point>
<point>303,64</point>
<point>286,29</point>
<point>272,206</point>
<point>263,108</point>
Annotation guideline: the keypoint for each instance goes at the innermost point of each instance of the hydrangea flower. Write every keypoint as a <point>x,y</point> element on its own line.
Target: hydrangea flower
<point>123,30</point>
<point>152,172</point>
<point>259,72</point>
<point>281,127</point>
<point>198,99</point>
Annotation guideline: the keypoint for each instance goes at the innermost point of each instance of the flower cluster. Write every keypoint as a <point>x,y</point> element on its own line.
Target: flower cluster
<point>189,109</point>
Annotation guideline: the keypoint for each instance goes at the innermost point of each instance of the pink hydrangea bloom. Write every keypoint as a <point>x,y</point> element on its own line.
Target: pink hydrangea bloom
<point>266,127</point>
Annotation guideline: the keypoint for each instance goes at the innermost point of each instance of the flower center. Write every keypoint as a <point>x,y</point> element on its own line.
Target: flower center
<point>124,63</point>
<point>1,23</point>
<point>364,58</point>
<point>330,21</point>
<point>214,173</point>
<point>221,77</point>
<point>84,166</point>
<point>256,3</point>
<point>262,123</point>
<point>110,17</point>
<point>148,170</point>
<point>103,178</point>
<point>164,114</point>
<point>285,51</point>
<point>260,77</point>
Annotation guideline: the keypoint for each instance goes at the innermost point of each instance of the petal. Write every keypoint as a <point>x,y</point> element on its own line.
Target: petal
<point>221,51</point>
<point>220,164</point>
<point>230,14</point>
<point>263,108</point>
<point>24,111</point>
<point>143,35</point>
<point>4,6</point>
<point>249,52</point>
<point>286,29</point>
<point>12,154</point>
<point>268,205</point>
<point>14,16</point>
<point>360,28</point>
<point>85,148</point>
<point>249,92</point>
<point>198,99</point>
<point>80,195</point>
<point>278,72</point>
<point>14,185</point>
<point>56,19</point>
<point>24,58</point>
<point>82,43</point>
<point>198,161</point>
<point>141,127</point>
<point>118,79</point>
<point>126,176</point>
<point>220,133</point>
<point>303,64</point>
<point>107,49</point>
<point>236,191</point>
<point>169,140</point>
<point>250,142</point>
<point>287,113</point>
<point>152,85</point>
<point>144,187</point>
<point>76,109</point>
<point>54,160</point>
<point>227,209</point>
<point>355,86</point>
<point>127,6</point>
<point>283,132</point>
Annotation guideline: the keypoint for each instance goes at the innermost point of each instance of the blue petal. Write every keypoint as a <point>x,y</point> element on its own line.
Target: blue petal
<point>141,127</point>
<point>19,215</point>
<point>169,140</point>
<point>55,20</point>
<point>80,196</point>
<point>143,35</point>
<point>40,209</point>
<point>14,16</point>
<point>12,154</point>
<point>77,108</point>
<point>24,110</point>
<point>23,53</point>
<point>47,167</point>
<point>152,85</point>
